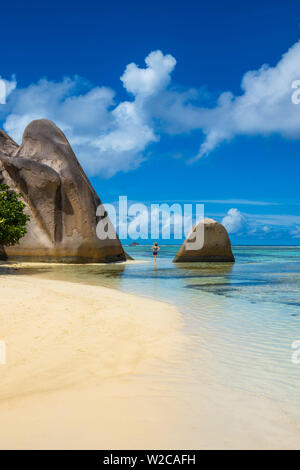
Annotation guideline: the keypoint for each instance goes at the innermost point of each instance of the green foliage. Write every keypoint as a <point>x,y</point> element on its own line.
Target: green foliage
<point>13,220</point>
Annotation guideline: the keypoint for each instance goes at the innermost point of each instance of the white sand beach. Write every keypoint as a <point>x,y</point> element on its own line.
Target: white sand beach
<point>90,367</point>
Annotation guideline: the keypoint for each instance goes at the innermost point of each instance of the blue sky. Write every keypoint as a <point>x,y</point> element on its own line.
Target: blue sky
<point>200,121</point>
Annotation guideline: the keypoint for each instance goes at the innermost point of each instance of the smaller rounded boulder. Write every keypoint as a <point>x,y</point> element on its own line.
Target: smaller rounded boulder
<point>208,241</point>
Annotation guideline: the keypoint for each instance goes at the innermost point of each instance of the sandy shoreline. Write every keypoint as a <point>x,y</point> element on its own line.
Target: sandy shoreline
<point>92,367</point>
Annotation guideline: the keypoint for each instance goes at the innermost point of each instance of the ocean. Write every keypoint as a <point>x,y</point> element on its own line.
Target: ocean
<point>244,316</point>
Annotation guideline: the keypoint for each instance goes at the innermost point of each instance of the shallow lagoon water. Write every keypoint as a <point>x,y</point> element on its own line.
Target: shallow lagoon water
<point>244,315</point>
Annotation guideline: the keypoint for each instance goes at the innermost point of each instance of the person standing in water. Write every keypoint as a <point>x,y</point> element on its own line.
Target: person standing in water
<point>155,250</point>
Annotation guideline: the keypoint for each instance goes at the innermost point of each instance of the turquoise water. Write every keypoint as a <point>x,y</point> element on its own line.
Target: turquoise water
<point>246,315</point>
<point>249,312</point>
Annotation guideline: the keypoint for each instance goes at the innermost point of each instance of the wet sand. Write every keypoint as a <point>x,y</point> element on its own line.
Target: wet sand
<point>90,367</point>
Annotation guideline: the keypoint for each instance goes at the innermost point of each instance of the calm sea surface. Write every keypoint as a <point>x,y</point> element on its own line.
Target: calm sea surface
<point>245,315</point>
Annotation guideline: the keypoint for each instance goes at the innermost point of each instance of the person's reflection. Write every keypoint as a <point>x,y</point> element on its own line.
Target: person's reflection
<point>155,278</point>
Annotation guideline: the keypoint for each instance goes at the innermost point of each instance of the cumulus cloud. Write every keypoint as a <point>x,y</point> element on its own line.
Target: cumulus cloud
<point>260,227</point>
<point>107,136</point>
<point>295,233</point>
<point>145,82</point>
<point>110,136</point>
<point>144,220</point>
<point>6,88</point>
<point>71,103</point>
<point>264,107</point>
<point>234,221</point>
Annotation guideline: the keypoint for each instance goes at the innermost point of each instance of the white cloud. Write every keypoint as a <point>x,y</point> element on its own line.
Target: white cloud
<point>151,220</point>
<point>79,114</point>
<point>110,136</point>
<point>121,148</point>
<point>152,79</point>
<point>6,88</point>
<point>265,106</point>
<point>107,137</point>
<point>295,233</point>
<point>260,227</point>
<point>234,221</point>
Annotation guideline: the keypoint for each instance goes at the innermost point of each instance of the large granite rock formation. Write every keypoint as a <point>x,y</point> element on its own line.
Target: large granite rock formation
<point>216,247</point>
<point>60,200</point>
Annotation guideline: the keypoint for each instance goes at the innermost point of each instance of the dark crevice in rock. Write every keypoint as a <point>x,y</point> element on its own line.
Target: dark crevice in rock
<point>3,255</point>
<point>58,222</point>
